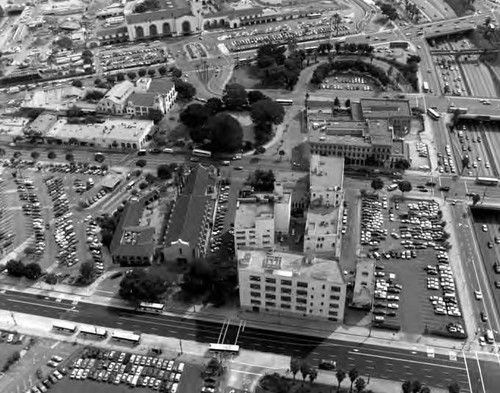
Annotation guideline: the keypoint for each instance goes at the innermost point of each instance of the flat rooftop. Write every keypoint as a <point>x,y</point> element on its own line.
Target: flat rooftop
<point>322,220</point>
<point>247,213</point>
<point>384,108</point>
<point>326,172</point>
<point>290,265</point>
<point>117,129</point>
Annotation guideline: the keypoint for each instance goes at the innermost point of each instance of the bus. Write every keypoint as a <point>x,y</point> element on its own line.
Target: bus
<point>93,331</point>
<point>425,87</point>
<point>151,307</point>
<point>490,339</point>
<point>202,153</point>
<point>487,181</point>
<point>284,102</point>
<point>454,109</point>
<point>314,15</point>
<point>223,348</point>
<point>433,114</point>
<point>63,326</point>
<point>131,338</point>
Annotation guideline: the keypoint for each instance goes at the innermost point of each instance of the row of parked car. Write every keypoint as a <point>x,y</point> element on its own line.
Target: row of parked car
<point>132,57</point>
<point>94,244</point>
<point>93,170</point>
<point>95,198</point>
<point>447,304</point>
<point>53,378</point>
<point>372,221</point>
<point>32,209</point>
<point>64,231</point>
<point>220,215</point>
<point>134,370</point>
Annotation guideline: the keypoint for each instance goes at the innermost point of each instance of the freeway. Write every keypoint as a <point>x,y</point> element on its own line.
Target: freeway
<point>378,361</point>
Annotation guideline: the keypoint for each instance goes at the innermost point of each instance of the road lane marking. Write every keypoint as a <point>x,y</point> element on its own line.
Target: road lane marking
<point>38,304</point>
<point>246,372</point>
<point>467,370</point>
<point>480,373</point>
<point>411,361</point>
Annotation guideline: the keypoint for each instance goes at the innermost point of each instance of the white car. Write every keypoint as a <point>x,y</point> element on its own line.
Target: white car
<point>478,295</point>
<point>393,297</point>
<point>393,305</point>
<point>484,228</point>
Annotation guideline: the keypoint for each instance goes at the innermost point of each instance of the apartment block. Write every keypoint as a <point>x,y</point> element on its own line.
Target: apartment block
<point>291,285</point>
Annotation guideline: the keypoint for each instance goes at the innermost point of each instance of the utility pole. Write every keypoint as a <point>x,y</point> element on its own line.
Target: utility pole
<point>13,318</point>
<point>180,346</point>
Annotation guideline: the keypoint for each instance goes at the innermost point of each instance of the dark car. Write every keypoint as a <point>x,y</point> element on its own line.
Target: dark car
<point>327,365</point>
<point>444,188</point>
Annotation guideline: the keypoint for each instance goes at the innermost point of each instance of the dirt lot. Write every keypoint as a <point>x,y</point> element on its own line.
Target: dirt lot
<point>409,272</point>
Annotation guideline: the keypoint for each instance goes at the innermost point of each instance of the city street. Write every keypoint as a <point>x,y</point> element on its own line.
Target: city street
<point>377,361</point>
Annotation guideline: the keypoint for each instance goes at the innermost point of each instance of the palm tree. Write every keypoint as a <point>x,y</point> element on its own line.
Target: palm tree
<point>360,385</point>
<point>353,375</point>
<point>340,375</point>
<point>313,374</point>
<point>294,366</point>
<point>377,184</point>
<point>454,388</point>
<point>35,155</point>
<point>304,370</point>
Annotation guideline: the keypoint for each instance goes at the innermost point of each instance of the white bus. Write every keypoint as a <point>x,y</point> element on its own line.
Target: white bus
<point>284,102</point>
<point>93,331</point>
<point>425,87</point>
<point>487,181</point>
<point>63,326</point>
<point>202,153</point>
<point>127,337</point>
<point>151,307</point>
<point>433,114</point>
<point>223,348</point>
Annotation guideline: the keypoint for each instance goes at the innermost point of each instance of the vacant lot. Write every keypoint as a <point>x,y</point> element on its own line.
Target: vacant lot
<point>243,75</point>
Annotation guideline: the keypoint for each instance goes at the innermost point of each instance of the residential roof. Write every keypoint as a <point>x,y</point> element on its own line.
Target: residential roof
<point>161,86</point>
<point>130,239</point>
<point>190,207</point>
<point>290,265</point>
<point>142,99</point>
<point>111,180</point>
<point>326,172</point>
<point>384,108</point>
<point>120,92</point>
<point>42,123</point>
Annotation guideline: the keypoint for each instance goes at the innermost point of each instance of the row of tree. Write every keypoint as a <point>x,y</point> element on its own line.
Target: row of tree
<point>275,69</point>
<point>32,271</point>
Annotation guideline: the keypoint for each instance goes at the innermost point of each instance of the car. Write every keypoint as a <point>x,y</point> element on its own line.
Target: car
<point>484,317</point>
<point>327,365</point>
<point>478,295</point>
<point>393,305</point>
<point>238,168</point>
<point>393,297</point>
<point>174,388</point>
<point>484,228</point>
<point>490,245</point>
<point>497,284</point>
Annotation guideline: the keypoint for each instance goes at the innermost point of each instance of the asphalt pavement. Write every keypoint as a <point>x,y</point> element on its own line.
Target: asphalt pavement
<point>377,361</point>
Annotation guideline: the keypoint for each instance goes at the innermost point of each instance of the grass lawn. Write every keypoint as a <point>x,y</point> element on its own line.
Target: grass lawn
<point>246,124</point>
<point>460,7</point>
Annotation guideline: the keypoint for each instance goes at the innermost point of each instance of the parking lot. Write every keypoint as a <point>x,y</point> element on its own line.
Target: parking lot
<point>346,82</point>
<point>196,51</point>
<point>129,57</point>
<point>408,241</point>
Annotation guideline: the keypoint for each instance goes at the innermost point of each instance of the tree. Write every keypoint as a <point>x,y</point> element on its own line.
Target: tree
<point>185,90</point>
<point>155,115</point>
<point>176,72</point>
<point>131,75</point>
<point>425,389</point>
<point>77,83</point>
<point>305,368</point>
<point>465,162</point>
<point>336,102</point>
<point>347,103</point>
<point>377,184</point>
<point>404,186</point>
<point>270,55</point>
<point>294,366</point>
<point>64,42</point>
<point>141,163</point>
<point>262,181</point>
<point>267,112</point>
<point>165,171</point>
<point>142,72</point>
<point>32,271</point>
<point>454,388</point>
<point>162,70</point>
<point>225,133</point>
<point>15,268</point>
<point>140,285</point>
<point>389,10</point>
<point>235,97</point>
<point>360,385</point>
<point>151,72</point>
<point>313,374</point>
<point>120,77</point>
<point>87,271</point>
<point>70,157</point>
<point>475,199</point>
<point>256,95</point>
<point>353,374</point>
<point>340,375</point>
<point>51,155</point>
<point>35,155</point>
<point>214,105</point>
<point>194,116</point>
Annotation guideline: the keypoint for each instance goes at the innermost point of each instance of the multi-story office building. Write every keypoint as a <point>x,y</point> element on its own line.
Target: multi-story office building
<point>322,232</point>
<point>291,285</point>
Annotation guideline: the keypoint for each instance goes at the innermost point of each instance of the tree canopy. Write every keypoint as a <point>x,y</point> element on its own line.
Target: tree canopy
<point>262,180</point>
<point>194,116</point>
<point>166,171</point>
<point>140,285</point>
<point>214,105</point>
<point>404,186</point>
<point>377,184</point>
<point>235,97</point>
<point>225,133</point>
<point>270,54</point>
<point>256,95</point>
<point>185,90</point>
<point>267,112</point>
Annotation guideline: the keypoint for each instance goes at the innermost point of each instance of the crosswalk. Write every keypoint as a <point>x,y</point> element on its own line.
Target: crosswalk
<point>451,354</point>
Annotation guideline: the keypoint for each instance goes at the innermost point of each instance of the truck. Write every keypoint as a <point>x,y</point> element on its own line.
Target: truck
<point>425,87</point>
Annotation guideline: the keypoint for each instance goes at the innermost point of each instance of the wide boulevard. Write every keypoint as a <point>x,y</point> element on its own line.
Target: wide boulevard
<point>473,374</point>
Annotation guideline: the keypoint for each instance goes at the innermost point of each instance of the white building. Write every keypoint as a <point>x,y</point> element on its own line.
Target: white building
<point>113,133</point>
<point>323,226</point>
<point>261,217</point>
<point>291,285</point>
